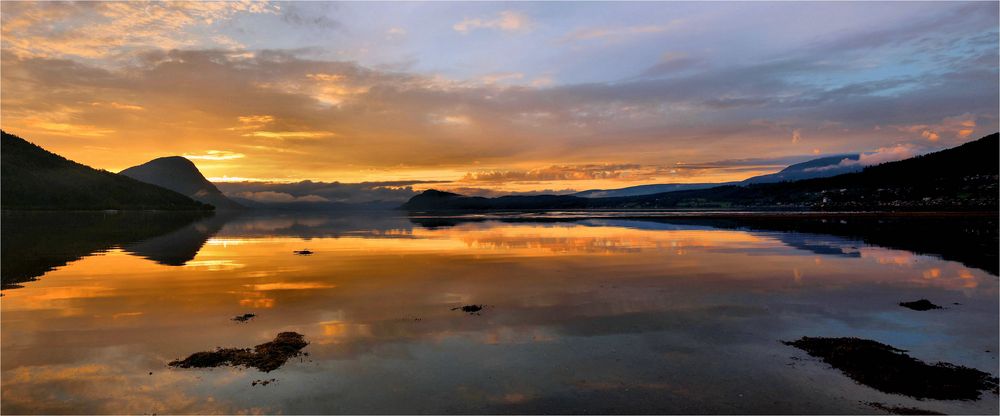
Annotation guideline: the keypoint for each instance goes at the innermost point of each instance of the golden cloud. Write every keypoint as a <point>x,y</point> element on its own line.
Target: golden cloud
<point>215,155</point>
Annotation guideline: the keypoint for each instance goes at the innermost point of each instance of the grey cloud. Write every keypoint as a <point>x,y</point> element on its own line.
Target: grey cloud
<point>750,163</point>
<point>673,63</point>
<point>309,191</point>
<point>293,13</point>
<point>969,17</point>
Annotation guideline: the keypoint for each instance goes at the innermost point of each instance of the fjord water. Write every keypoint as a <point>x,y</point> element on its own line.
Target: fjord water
<point>584,315</point>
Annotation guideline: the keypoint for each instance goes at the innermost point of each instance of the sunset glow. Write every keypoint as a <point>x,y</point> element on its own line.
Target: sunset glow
<point>495,96</point>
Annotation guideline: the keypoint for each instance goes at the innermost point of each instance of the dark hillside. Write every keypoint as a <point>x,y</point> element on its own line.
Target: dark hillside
<point>35,179</point>
<point>963,178</point>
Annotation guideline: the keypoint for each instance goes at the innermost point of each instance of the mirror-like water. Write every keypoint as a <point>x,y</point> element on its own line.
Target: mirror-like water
<point>598,315</point>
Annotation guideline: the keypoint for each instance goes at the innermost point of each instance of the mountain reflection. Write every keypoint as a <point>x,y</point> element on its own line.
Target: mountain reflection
<point>35,243</point>
<point>971,240</point>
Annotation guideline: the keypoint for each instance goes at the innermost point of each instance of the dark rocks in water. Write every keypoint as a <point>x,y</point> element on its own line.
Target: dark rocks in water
<point>890,370</point>
<point>919,305</point>
<point>305,252</point>
<point>245,317</point>
<point>902,410</point>
<point>470,309</point>
<point>264,357</point>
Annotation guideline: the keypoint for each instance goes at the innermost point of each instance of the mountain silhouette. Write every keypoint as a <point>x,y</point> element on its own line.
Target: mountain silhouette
<point>962,178</point>
<point>823,167</point>
<point>179,174</point>
<point>816,168</point>
<point>32,178</point>
<point>647,189</point>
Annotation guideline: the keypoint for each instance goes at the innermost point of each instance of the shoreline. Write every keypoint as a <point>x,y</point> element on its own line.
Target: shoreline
<point>699,214</point>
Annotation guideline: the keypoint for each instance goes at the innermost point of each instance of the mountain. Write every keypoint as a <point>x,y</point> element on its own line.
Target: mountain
<point>816,168</point>
<point>32,178</point>
<point>960,178</point>
<point>646,189</point>
<point>180,175</point>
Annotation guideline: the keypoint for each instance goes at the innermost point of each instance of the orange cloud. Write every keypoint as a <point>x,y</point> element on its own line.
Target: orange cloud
<point>102,29</point>
<point>291,134</point>
<point>215,155</point>
<point>960,127</point>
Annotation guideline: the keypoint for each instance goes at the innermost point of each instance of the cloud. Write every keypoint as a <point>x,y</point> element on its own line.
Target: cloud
<point>250,102</point>
<point>271,196</point>
<point>395,33</point>
<point>612,175</point>
<point>69,129</point>
<point>542,81</point>
<point>291,134</point>
<point>553,173</point>
<point>508,21</point>
<point>672,63</point>
<point>750,164</point>
<point>879,156</point>
<point>282,108</point>
<point>885,154</point>
<point>957,127</point>
<point>102,29</point>
<point>255,119</point>
<point>965,15</point>
<point>309,191</point>
<point>490,79</point>
<point>215,155</point>
<point>308,16</point>
<point>118,106</point>
<point>613,33</point>
<point>451,119</point>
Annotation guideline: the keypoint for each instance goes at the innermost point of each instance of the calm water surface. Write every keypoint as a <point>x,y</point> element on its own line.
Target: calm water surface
<point>599,315</point>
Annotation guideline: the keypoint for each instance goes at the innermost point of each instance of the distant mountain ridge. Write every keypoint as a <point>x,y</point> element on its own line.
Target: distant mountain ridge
<point>815,168</point>
<point>960,178</point>
<point>32,178</point>
<point>180,175</point>
<point>646,189</point>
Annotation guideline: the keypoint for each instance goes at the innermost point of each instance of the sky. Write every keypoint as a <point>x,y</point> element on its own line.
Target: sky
<point>496,97</point>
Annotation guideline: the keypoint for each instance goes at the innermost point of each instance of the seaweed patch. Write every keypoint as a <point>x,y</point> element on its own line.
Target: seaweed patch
<point>264,357</point>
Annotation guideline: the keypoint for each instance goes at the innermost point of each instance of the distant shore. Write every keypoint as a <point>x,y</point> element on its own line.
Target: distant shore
<point>619,213</point>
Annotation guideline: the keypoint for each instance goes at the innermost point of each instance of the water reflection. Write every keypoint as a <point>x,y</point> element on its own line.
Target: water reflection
<point>971,239</point>
<point>33,243</point>
<point>591,315</point>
